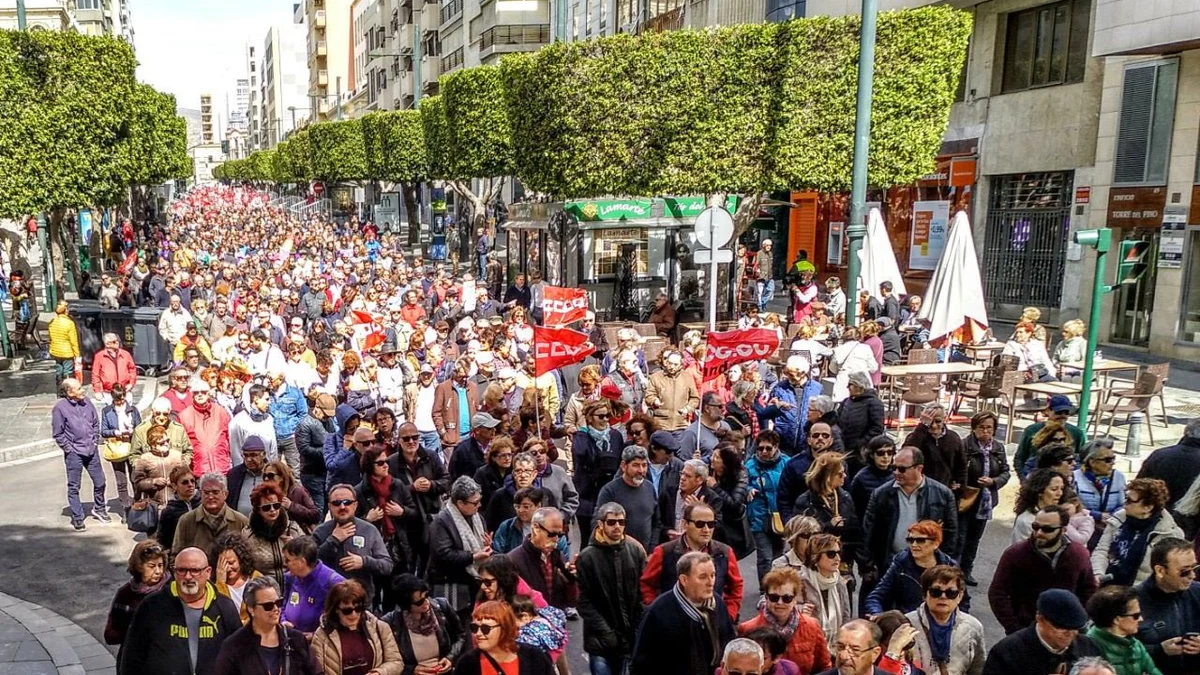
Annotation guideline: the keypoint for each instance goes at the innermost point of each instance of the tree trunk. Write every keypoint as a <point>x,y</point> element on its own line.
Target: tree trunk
<point>58,253</point>
<point>413,209</point>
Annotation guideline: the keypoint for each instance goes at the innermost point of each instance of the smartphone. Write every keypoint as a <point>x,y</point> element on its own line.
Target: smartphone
<point>1191,636</point>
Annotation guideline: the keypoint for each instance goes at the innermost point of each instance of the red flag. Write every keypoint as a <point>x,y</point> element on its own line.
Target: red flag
<point>358,316</point>
<point>737,346</point>
<point>561,306</point>
<point>373,340</point>
<point>558,347</point>
<point>127,264</point>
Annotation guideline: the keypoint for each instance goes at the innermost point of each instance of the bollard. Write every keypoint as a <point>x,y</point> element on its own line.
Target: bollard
<point>1133,442</point>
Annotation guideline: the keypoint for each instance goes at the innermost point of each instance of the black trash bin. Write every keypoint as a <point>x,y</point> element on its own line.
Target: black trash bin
<point>86,314</point>
<point>149,350</point>
<point>120,323</point>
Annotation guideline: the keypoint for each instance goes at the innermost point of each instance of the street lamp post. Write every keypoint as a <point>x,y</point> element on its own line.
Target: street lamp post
<point>857,229</point>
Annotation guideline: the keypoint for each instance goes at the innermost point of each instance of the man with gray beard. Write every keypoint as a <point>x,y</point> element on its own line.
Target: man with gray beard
<point>631,490</point>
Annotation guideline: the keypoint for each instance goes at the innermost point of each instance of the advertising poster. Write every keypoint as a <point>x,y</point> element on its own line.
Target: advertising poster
<point>931,220</point>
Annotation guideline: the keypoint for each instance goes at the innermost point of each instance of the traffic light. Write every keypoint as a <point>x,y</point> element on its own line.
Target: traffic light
<point>1132,263</point>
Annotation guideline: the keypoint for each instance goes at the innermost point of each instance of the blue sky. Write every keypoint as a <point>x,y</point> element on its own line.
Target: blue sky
<point>189,47</point>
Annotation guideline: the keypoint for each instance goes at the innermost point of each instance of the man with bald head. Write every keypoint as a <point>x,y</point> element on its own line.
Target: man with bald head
<point>179,629</point>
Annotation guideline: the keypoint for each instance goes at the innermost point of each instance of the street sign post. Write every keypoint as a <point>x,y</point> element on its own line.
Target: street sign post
<point>713,229</point>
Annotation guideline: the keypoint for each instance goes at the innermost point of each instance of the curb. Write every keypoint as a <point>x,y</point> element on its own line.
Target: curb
<point>72,649</point>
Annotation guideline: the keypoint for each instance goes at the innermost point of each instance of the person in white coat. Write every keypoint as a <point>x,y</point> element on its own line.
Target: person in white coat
<point>848,356</point>
<point>948,641</point>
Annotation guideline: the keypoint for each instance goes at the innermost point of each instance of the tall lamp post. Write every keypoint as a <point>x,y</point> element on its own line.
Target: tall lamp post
<point>857,229</point>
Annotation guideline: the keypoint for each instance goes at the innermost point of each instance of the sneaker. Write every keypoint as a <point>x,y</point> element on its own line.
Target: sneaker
<point>971,581</point>
<point>78,525</point>
<point>101,516</point>
<point>572,614</point>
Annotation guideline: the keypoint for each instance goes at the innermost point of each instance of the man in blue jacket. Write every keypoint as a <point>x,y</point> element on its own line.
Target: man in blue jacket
<point>76,429</point>
<point>288,409</point>
<point>684,631</point>
<point>793,392</point>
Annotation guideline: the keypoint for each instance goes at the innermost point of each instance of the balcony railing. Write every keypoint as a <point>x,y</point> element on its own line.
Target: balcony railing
<point>450,10</point>
<point>535,34</point>
<point>452,60</point>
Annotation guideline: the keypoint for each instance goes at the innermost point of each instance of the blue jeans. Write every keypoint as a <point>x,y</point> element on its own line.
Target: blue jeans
<point>482,266</point>
<point>316,489</point>
<point>768,546</point>
<point>63,368</point>
<point>431,442</point>
<point>607,665</point>
<point>766,292</point>
<point>76,463</point>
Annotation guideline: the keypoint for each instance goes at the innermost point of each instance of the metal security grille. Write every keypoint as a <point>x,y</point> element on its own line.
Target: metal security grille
<point>1026,241</point>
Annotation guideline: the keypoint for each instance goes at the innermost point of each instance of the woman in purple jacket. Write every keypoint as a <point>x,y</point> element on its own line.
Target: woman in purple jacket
<point>305,585</point>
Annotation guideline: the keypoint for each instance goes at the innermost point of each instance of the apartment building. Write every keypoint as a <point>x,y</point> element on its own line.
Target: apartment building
<point>284,96</point>
<point>330,53</point>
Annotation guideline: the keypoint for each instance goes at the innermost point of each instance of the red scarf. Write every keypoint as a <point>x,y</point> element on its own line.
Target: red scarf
<point>383,492</point>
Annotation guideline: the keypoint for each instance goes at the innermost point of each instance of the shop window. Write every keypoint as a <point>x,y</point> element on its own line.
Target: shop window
<point>1189,322</point>
<point>1147,120</point>
<point>1045,46</point>
<point>605,254</point>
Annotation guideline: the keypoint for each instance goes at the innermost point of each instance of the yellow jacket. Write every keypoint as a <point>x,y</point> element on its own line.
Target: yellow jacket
<point>64,339</point>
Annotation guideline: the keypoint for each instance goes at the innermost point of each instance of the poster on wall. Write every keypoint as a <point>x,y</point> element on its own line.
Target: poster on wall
<point>1172,236</point>
<point>929,225</point>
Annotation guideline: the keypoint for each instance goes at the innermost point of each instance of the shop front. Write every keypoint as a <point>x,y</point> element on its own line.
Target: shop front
<point>1136,213</point>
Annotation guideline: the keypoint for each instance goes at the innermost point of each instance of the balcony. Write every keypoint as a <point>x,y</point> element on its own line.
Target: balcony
<point>402,41</point>
<point>322,78</point>
<point>431,70</point>
<point>322,48</point>
<point>450,10</point>
<point>430,19</point>
<point>452,61</point>
<point>519,38</point>
<point>319,18</point>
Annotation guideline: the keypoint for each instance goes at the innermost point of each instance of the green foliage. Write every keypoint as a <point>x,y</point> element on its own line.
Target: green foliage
<point>281,164</point>
<point>395,145</point>
<point>337,152</point>
<point>738,109</point>
<point>479,142</point>
<point>437,136</point>
<point>155,149</point>
<point>298,147</point>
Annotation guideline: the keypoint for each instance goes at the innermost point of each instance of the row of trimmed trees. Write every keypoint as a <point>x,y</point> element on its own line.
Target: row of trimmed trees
<point>78,130</point>
<point>742,110</point>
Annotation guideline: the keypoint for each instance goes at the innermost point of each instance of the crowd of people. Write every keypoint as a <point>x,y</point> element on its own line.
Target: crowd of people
<point>359,468</point>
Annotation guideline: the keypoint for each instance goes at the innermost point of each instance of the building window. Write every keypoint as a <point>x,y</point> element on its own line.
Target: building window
<point>88,4</point>
<point>782,10</point>
<point>536,34</point>
<point>1189,321</point>
<point>452,60</point>
<point>1147,120</point>
<point>451,9</point>
<point>1046,45</point>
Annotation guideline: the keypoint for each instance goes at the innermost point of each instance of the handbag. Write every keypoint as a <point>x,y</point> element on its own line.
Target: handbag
<point>116,451</point>
<point>143,516</point>
<point>970,495</point>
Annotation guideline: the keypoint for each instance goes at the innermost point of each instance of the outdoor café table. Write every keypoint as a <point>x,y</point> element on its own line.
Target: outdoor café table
<point>983,353</point>
<point>951,368</point>
<point>1105,368</point>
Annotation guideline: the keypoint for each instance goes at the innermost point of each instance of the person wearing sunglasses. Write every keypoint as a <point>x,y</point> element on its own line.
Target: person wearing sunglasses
<point>1046,560</point>
<point>1115,612</point>
<point>351,639</point>
<point>296,500</point>
<point>779,609</point>
<point>596,450</point>
<point>151,472</point>
<point>263,642</point>
<point>699,524</point>
<point>826,595</point>
<point>1044,487</point>
<point>1168,603</point>
<point>493,628</point>
<point>945,458</point>
<point>987,473</point>
<point>269,530</point>
<point>947,640</point>
<point>427,631</point>
<point>1058,410</point>
<point>1122,556</point>
<point>148,568</point>
<point>185,497</point>
<point>1099,484</point>
<point>900,586</point>
<point>1052,643</point>
<point>609,602</point>
<point>684,631</point>
<point>877,470</point>
<point>387,503</point>
<point>540,552</point>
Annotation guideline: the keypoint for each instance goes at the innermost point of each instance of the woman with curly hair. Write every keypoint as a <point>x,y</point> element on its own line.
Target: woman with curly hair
<point>1122,555</point>
<point>233,567</point>
<point>1043,487</point>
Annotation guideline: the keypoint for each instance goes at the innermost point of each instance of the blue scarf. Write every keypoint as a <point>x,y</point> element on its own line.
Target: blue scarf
<point>939,636</point>
<point>1128,548</point>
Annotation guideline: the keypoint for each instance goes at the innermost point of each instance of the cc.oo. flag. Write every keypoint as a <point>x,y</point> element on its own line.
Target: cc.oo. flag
<point>558,347</point>
<point>737,346</point>
<point>563,306</point>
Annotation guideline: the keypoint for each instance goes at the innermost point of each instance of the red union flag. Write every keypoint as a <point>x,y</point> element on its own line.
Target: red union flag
<point>737,346</point>
<point>561,306</point>
<point>558,347</point>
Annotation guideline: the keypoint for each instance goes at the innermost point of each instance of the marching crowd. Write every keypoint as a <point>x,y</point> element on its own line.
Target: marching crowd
<point>364,466</point>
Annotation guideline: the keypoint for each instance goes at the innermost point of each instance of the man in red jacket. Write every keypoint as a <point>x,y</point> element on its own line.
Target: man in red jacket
<point>112,365</point>
<point>699,524</point>
<point>1046,560</point>
<point>207,427</point>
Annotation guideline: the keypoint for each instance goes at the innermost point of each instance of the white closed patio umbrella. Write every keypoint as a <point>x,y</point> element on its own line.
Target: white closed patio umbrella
<point>954,305</point>
<point>878,260</point>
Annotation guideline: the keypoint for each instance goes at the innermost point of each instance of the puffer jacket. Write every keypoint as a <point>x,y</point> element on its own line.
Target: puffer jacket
<point>266,551</point>
<point>1100,502</point>
<point>967,650</point>
<point>860,419</point>
<point>327,647</point>
<point>1126,655</point>
<point>763,478</point>
<point>151,466</point>
<point>790,423</point>
<point>310,441</point>
<point>1101,556</point>
<point>674,394</point>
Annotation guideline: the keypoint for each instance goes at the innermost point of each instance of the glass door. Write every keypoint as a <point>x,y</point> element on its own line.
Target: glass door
<point>1133,303</point>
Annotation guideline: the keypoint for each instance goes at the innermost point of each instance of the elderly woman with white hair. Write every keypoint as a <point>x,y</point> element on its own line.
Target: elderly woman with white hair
<point>849,356</point>
<point>860,416</point>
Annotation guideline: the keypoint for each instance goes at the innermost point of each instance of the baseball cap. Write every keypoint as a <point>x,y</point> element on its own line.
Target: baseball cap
<point>664,439</point>
<point>1060,403</point>
<point>327,404</point>
<point>427,369</point>
<point>483,419</point>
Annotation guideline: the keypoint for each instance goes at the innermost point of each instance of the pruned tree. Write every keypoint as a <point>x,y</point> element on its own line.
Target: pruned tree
<point>395,150</point>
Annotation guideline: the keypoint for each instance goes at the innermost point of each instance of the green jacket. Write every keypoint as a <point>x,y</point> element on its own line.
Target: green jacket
<point>1025,450</point>
<point>1127,655</point>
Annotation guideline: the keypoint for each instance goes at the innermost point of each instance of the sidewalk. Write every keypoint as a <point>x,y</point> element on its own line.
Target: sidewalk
<point>37,641</point>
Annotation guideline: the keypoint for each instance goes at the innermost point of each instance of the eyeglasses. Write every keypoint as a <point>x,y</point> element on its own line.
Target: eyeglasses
<point>821,434</point>
<point>270,476</point>
<point>270,606</point>
<point>704,524</point>
<point>551,534</point>
<point>409,439</point>
<point>885,453</point>
<point>212,493</point>
<point>381,462</point>
<point>1135,615</point>
<point>948,593</point>
<point>353,609</point>
<point>854,650</point>
<point>187,481</point>
<point>1045,528</point>
<point>343,502</point>
<point>614,522</point>
<point>766,449</point>
<point>483,629</point>
<point>902,469</point>
<point>918,540</point>
<point>1188,571</point>
<point>600,413</point>
<point>273,506</point>
<point>474,502</point>
<point>1131,500</point>
<point>781,597</point>
<point>188,571</point>
<point>1106,460</point>
<point>524,471</point>
<point>832,554</point>
<point>487,582</point>
<point>636,432</point>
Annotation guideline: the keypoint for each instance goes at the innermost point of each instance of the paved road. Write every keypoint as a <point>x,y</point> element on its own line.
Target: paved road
<point>76,574</point>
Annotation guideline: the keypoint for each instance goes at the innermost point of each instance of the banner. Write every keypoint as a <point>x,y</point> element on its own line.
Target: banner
<point>931,222</point>
<point>737,346</point>
<point>558,347</point>
<point>562,306</point>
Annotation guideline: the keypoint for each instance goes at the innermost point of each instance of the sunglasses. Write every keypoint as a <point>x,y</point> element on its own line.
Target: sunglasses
<point>187,481</point>
<point>766,449</point>
<point>342,502</point>
<point>780,597</point>
<point>483,629</point>
<point>409,439</point>
<point>487,582</point>
<point>948,593</point>
<point>885,453</point>
<point>354,609</point>
<point>704,524</point>
<point>821,435</point>
<point>902,469</point>
<point>381,462</point>
<point>1136,616</point>
<point>551,534</point>
<point>918,540</point>
<point>832,554</point>
<point>613,522</point>
<point>1045,528</point>
<point>271,606</point>
<point>275,506</point>
<point>270,476</point>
